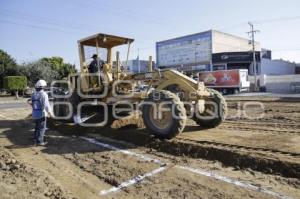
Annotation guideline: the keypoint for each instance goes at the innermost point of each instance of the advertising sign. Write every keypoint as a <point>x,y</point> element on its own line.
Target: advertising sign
<point>191,50</point>
<point>234,57</point>
<point>220,78</point>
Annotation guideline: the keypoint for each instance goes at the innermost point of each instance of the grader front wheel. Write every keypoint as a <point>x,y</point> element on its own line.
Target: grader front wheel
<point>164,114</point>
<point>214,113</point>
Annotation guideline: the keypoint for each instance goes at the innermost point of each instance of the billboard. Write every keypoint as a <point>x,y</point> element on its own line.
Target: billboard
<point>235,57</point>
<point>221,78</point>
<point>192,50</point>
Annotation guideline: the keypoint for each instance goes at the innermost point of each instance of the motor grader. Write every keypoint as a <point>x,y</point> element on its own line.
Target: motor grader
<point>169,100</point>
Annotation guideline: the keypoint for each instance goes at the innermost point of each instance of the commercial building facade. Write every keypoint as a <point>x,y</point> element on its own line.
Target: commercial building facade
<point>207,51</point>
<point>137,65</point>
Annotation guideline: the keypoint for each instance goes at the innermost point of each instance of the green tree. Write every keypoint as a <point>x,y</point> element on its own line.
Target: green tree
<point>37,70</point>
<point>15,84</point>
<point>8,66</point>
<point>57,64</point>
<point>45,68</point>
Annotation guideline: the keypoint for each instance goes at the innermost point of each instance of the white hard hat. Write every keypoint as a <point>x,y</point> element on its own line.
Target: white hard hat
<point>41,83</point>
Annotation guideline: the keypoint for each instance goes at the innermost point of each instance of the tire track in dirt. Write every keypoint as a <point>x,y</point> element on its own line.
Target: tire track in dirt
<point>62,171</point>
<point>253,150</point>
<point>240,158</point>
<point>167,166</point>
<point>233,156</point>
<point>251,128</point>
<point>280,118</point>
<point>277,162</point>
<point>265,124</point>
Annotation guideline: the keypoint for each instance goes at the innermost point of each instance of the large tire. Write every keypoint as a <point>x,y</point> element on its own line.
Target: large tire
<point>168,126</point>
<point>221,105</point>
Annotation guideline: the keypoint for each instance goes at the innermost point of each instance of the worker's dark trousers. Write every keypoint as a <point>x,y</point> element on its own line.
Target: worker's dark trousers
<point>40,128</point>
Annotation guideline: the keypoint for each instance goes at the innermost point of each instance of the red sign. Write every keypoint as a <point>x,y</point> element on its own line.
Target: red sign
<point>220,78</point>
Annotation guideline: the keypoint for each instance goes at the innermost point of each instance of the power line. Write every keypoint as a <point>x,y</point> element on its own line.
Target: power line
<point>35,26</point>
<point>54,29</point>
<point>276,20</point>
<point>296,49</point>
<point>58,23</point>
<point>48,21</point>
<point>263,21</point>
<point>71,25</point>
<point>234,26</point>
<point>134,14</point>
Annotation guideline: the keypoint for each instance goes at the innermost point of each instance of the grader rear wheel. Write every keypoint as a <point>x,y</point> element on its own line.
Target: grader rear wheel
<point>158,115</point>
<point>214,113</point>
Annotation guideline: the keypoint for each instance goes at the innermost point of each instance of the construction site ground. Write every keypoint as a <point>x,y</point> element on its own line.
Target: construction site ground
<point>255,153</point>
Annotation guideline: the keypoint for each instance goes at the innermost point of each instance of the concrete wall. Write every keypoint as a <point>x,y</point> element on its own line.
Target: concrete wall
<point>277,67</point>
<point>278,83</point>
<point>223,42</point>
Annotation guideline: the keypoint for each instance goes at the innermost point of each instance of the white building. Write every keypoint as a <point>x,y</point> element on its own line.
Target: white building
<point>209,50</point>
<point>137,66</point>
<point>277,67</point>
<point>214,50</point>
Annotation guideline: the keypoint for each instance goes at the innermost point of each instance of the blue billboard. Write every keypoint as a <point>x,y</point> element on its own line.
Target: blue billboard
<point>191,51</point>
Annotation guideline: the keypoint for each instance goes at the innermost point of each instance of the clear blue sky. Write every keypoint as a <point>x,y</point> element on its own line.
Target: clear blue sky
<point>30,29</point>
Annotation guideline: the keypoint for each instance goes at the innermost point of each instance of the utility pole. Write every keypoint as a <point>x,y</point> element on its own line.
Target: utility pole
<point>251,33</point>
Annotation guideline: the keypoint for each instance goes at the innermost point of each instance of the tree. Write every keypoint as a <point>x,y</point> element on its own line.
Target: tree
<point>15,84</point>
<point>45,68</point>
<point>8,66</point>
<point>37,70</point>
<point>57,64</point>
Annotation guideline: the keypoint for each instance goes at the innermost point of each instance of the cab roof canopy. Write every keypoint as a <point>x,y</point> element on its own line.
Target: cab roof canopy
<point>104,41</point>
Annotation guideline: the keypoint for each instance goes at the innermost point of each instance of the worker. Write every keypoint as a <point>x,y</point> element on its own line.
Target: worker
<point>95,66</point>
<point>93,69</point>
<point>40,109</point>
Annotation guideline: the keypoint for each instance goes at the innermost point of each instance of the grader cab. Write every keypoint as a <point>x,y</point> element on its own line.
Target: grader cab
<point>103,41</point>
<point>171,97</point>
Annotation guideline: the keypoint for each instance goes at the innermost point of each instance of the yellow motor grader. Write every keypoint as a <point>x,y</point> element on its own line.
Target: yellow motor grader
<point>170,97</point>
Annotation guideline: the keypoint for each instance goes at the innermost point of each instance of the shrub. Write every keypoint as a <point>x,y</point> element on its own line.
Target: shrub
<point>15,83</point>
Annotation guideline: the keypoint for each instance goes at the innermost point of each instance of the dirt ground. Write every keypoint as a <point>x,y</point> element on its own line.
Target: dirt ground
<point>245,157</point>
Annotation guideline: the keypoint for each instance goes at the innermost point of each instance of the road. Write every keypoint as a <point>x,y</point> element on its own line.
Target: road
<point>13,105</point>
<point>274,95</point>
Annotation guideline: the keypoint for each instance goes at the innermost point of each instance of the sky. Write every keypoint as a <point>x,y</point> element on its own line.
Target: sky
<point>31,29</point>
